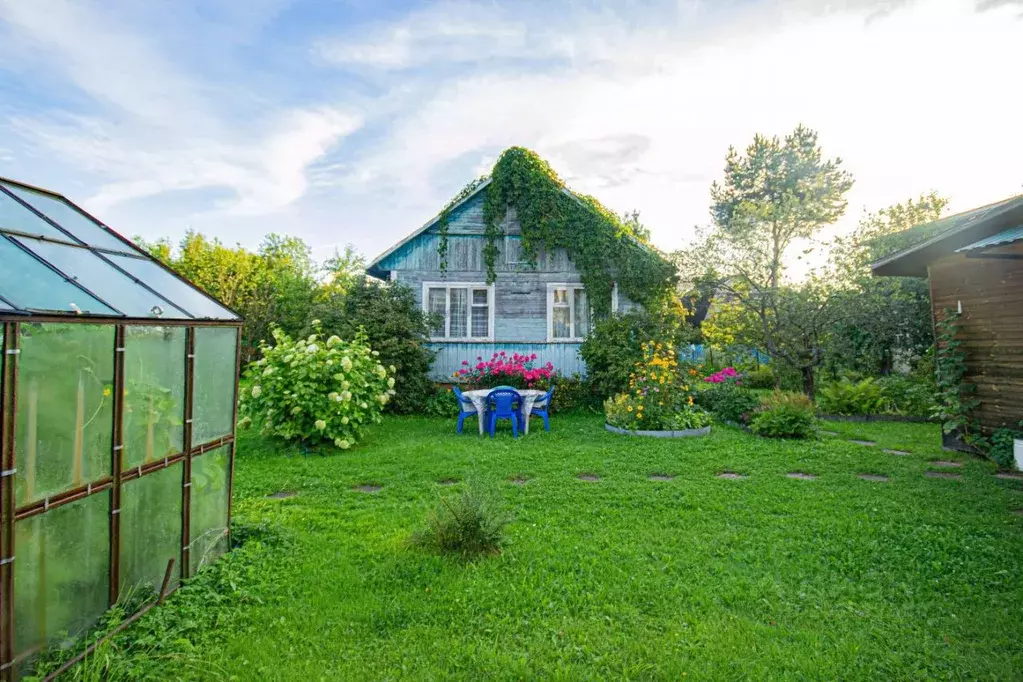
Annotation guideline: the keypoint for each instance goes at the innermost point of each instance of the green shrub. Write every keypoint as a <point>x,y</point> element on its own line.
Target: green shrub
<point>1001,446</point>
<point>395,326</point>
<point>315,390</point>
<point>729,401</point>
<point>763,377</point>
<point>574,393</point>
<point>784,415</point>
<point>440,403</point>
<point>468,525</point>
<point>908,395</point>
<point>851,399</point>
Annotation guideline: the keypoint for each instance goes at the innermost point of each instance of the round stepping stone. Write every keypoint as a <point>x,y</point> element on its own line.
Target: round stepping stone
<point>829,433</point>
<point>867,443</point>
<point>367,488</point>
<point>518,480</point>
<point>447,481</point>
<point>732,476</point>
<point>801,476</point>
<point>661,477</point>
<point>282,494</point>
<point>898,453</point>
<point>942,474</point>
<point>873,477</point>
<point>945,463</point>
<point>1008,475</point>
<point>589,478</point>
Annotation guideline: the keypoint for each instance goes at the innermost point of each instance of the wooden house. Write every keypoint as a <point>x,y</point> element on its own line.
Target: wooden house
<point>527,307</point>
<point>974,263</point>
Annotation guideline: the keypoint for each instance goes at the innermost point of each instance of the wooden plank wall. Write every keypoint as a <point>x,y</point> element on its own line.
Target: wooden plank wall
<point>991,294</point>
<point>564,356</point>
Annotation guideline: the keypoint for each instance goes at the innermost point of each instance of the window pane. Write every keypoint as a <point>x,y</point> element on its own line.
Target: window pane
<point>107,282</point>
<point>479,296</point>
<point>437,307</point>
<point>561,326</point>
<point>29,284</point>
<point>151,531</point>
<point>71,219</point>
<point>561,296</point>
<point>214,395</point>
<point>62,572</point>
<point>208,519</point>
<point>154,394</point>
<point>480,321</point>
<point>65,408</point>
<point>14,216</point>
<point>185,296</point>
<point>459,305</point>
<point>582,314</point>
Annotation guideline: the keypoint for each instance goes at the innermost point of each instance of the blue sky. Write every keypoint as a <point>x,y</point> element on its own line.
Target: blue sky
<point>353,121</point>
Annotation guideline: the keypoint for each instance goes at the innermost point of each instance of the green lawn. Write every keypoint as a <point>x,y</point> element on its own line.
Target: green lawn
<point>762,578</point>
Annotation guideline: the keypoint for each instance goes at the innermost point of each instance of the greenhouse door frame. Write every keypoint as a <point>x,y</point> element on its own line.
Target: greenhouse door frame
<point>111,484</point>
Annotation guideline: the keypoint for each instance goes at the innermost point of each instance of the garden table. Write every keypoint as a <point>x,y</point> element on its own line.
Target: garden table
<point>479,399</point>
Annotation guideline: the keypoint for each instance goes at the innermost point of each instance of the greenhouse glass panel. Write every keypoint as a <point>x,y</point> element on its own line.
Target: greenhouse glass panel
<point>154,394</point>
<point>183,295</point>
<point>14,216</point>
<point>65,408</point>
<point>107,282</point>
<point>62,572</point>
<point>71,219</point>
<point>30,285</point>
<point>213,399</point>
<point>208,516</point>
<point>150,532</point>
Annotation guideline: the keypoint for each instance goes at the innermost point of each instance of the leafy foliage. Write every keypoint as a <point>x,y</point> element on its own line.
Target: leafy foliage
<point>1001,446</point>
<point>604,248</point>
<point>315,390</point>
<point>955,401</point>
<point>394,325</point>
<point>762,377</point>
<point>849,398</point>
<point>729,401</point>
<point>785,415</point>
<point>469,525</point>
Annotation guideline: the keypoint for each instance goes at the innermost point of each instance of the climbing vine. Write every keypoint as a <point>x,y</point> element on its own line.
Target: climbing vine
<point>552,217</point>
<point>955,401</point>
<point>444,220</point>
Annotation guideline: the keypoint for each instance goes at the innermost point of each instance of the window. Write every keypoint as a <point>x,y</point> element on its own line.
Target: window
<point>568,312</point>
<point>459,311</point>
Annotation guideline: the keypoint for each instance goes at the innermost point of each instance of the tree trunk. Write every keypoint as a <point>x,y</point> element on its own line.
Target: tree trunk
<point>808,385</point>
<point>887,362</point>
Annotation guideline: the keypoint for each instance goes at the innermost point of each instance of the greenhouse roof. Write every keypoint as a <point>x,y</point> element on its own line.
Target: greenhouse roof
<point>60,261</point>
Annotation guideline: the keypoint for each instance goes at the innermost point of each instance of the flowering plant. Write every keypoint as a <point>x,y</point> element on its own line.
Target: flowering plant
<point>518,371</point>
<point>316,390</point>
<point>659,396</point>
<point>724,375</point>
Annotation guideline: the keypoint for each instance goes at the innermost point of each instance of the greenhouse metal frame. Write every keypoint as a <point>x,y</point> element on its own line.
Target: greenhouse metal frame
<point>159,401</point>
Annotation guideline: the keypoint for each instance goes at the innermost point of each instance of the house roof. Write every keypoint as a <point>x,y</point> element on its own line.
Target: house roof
<point>952,234</point>
<point>1003,238</point>
<point>59,260</point>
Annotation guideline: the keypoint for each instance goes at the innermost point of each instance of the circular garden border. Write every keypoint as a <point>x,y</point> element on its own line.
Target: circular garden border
<point>685,433</point>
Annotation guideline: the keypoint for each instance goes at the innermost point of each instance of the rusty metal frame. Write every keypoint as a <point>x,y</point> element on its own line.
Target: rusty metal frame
<point>110,484</point>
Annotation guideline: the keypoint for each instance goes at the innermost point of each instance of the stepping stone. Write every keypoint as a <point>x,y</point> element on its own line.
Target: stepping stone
<point>661,477</point>
<point>367,488</point>
<point>829,433</point>
<point>447,481</point>
<point>1018,512</point>
<point>942,474</point>
<point>801,476</point>
<point>590,478</point>
<point>945,463</point>
<point>1008,475</point>
<point>873,477</point>
<point>732,476</point>
<point>518,480</point>
<point>898,453</point>
<point>867,443</point>
<point>282,495</point>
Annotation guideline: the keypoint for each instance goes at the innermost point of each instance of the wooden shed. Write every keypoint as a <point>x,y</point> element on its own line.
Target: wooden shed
<point>974,263</point>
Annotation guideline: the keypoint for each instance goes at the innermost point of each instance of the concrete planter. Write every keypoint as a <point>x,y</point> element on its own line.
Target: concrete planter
<point>1018,452</point>
<point>685,433</point>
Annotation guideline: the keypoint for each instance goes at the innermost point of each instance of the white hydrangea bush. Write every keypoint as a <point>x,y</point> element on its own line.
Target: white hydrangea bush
<point>316,390</point>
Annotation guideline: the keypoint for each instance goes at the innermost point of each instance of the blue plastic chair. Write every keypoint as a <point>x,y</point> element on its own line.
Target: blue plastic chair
<point>466,408</point>
<point>504,403</point>
<point>541,408</point>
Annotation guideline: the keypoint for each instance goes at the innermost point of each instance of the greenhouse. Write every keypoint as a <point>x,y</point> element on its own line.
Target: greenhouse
<point>119,383</point>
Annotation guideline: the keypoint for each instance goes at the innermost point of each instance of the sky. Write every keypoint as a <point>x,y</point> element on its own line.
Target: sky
<point>354,121</point>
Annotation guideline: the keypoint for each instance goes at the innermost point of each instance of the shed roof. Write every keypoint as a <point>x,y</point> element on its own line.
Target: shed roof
<point>1003,238</point>
<point>952,234</point>
<point>60,261</point>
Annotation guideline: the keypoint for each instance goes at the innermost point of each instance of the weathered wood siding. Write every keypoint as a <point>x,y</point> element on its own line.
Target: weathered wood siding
<point>990,292</point>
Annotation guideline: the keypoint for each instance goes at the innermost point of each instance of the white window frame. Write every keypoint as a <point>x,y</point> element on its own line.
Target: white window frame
<point>572,286</point>
<point>469,286</point>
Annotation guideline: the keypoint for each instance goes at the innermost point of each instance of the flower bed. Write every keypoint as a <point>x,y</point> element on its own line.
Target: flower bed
<point>517,371</point>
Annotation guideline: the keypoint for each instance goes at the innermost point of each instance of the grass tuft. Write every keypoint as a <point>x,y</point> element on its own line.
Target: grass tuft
<point>469,525</point>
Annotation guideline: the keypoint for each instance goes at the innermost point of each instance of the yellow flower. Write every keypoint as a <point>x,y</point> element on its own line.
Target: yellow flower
<point>629,408</point>
<point>690,400</point>
<point>106,392</point>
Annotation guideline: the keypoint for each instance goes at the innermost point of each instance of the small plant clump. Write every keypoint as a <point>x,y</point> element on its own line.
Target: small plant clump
<point>730,401</point>
<point>785,415</point>
<point>468,525</point>
<point>315,390</point>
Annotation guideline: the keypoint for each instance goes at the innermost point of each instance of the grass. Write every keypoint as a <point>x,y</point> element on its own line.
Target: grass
<point>762,578</point>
